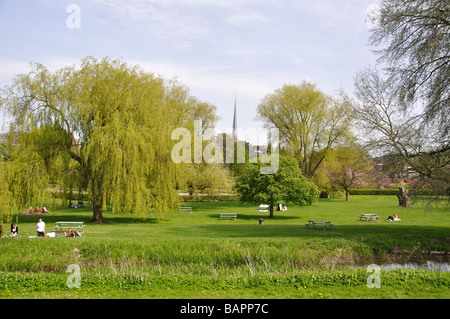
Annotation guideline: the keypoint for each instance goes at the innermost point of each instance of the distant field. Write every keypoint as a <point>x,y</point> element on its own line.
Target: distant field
<point>197,255</point>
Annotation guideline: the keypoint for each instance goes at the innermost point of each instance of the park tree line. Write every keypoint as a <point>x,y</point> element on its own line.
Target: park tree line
<point>105,128</point>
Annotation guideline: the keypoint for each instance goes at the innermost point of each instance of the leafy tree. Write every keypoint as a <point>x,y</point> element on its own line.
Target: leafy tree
<point>286,185</point>
<point>322,175</point>
<point>186,109</point>
<point>7,201</point>
<point>309,122</point>
<point>28,178</point>
<point>5,151</point>
<point>345,167</point>
<point>112,121</point>
<point>350,168</point>
<point>210,178</point>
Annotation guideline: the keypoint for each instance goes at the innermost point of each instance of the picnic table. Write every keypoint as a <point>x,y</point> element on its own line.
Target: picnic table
<point>314,224</point>
<point>368,217</point>
<point>185,209</point>
<point>263,208</point>
<point>228,215</point>
<point>61,226</point>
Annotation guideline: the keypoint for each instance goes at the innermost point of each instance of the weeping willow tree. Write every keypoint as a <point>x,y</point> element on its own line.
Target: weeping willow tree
<point>7,202</point>
<point>110,125</point>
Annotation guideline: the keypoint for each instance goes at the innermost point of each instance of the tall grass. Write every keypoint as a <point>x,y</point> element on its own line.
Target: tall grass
<point>213,257</point>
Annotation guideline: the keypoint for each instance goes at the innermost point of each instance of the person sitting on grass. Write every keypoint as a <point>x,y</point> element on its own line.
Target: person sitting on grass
<point>52,234</point>
<point>14,231</point>
<point>395,218</point>
<point>71,233</point>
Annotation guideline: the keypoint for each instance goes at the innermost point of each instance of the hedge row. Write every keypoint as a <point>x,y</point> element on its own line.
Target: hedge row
<point>395,191</point>
<point>368,191</point>
<point>209,198</point>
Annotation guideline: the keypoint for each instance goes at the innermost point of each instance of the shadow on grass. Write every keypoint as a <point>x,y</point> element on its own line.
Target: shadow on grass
<point>411,233</point>
<point>255,217</point>
<point>83,215</point>
<point>205,206</point>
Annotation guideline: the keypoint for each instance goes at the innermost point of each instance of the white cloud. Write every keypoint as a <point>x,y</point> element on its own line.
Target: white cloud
<point>245,18</point>
<point>164,20</point>
<point>217,80</point>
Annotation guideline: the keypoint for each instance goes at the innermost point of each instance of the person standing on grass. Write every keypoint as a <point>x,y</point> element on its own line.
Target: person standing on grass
<point>40,228</point>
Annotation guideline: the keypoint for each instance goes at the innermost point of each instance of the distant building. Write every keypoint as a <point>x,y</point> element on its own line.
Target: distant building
<point>235,124</point>
<point>398,169</point>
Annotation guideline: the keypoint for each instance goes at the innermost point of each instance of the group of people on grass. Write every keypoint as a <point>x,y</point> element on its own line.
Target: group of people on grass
<point>281,207</point>
<point>40,229</point>
<point>36,210</point>
<point>265,208</point>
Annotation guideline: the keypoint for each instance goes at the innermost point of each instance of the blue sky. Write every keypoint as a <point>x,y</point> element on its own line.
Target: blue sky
<point>218,49</point>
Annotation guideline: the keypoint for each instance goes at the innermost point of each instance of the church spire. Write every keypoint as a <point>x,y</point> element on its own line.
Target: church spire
<point>235,125</point>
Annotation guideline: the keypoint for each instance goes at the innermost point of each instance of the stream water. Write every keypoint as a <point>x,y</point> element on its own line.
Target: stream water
<point>435,264</point>
<point>428,265</point>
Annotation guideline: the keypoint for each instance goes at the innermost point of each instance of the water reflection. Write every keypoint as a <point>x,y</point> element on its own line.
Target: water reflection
<point>430,265</point>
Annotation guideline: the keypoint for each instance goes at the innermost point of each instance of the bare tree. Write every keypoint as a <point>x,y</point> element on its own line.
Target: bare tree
<point>391,129</point>
<point>413,37</point>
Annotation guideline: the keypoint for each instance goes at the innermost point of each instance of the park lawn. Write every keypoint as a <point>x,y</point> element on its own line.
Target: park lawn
<point>197,255</point>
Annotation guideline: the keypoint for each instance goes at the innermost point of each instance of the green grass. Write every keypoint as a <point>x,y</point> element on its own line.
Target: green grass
<point>198,255</point>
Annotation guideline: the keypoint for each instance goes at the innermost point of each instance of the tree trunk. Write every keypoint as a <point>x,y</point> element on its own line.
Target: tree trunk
<point>98,214</point>
<point>97,201</point>
<point>347,194</point>
<point>403,197</point>
<point>271,211</point>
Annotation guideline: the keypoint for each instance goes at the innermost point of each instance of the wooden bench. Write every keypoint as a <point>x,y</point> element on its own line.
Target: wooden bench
<point>185,209</point>
<point>368,217</point>
<point>314,224</point>
<point>228,215</point>
<point>64,226</point>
